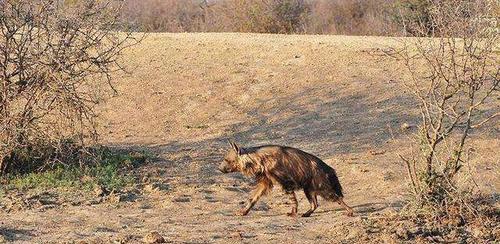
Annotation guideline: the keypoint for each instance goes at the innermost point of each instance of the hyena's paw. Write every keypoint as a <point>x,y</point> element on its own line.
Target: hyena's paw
<point>349,213</point>
<point>306,214</point>
<point>292,214</point>
<point>241,212</point>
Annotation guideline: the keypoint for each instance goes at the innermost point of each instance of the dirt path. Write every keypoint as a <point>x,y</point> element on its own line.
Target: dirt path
<point>333,96</point>
<point>195,204</point>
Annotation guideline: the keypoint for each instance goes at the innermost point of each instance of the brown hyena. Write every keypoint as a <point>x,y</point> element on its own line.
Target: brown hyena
<point>291,168</point>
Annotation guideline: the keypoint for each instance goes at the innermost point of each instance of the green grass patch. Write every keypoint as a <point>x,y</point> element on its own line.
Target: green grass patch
<point>111,170</point>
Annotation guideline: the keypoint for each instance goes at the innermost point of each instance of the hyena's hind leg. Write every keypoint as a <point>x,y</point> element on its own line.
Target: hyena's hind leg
<point>313,201</point>
<point>263,186</point>
<point>350,212</point>
<point>295,203</point>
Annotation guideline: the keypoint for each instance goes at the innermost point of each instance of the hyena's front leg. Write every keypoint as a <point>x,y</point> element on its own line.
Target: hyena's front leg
<point>295,204</point>
<point>262,188</point>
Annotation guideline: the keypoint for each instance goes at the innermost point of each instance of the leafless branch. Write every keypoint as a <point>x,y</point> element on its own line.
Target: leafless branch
<point>54,55</point>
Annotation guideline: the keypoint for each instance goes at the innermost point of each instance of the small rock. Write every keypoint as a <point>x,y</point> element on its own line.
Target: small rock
<point>215,237</point>
<point>93,201</point>
<point>457,221</point>
<point>353,234</point>
<point>182,199</point>
<point>153,237</point>
<point>153,189</point>
<point>377,152</point>
<point>76,203</point>
<point>119,241</point>
<point>454,233</point>
<point>115,198</point>
<point>125,239</point>
<point>145,206</point>
<point>405,126</point>
<point>402,233</point>
<point>247,235</point>
<point>99,191</point>
<point>476,232</point>
<point>236,235</point>
<point>435,239</point>
<point>388,176</point>
<point>46,207</point>
<point>416,231</point>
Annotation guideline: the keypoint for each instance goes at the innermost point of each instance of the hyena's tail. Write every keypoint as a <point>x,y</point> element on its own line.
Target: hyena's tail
<point>335,184</point>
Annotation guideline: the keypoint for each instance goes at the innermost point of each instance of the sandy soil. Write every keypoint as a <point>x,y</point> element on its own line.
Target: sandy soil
<point>337,97</point>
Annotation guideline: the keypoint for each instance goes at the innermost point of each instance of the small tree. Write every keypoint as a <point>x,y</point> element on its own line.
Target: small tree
<point>289,16</point>
<point>454,74</point>
<point>56,58</point>
<point>266,16</point>
<point>411,12</point>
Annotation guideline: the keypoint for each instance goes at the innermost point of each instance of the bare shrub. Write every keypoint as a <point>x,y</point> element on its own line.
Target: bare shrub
<point>165,15</point>
<point>264,16</point>
<point>354,17</point>
<point>414,16</point>
<point>246,16</point>
<point>358,17</point>
<point>56,59</point>
<point>289,16</point>
<point>454,76</point>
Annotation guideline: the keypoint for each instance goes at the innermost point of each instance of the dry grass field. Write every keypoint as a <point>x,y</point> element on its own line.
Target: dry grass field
<point>337,97</point>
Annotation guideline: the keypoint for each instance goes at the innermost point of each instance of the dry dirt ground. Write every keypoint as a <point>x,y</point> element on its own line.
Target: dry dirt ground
<point>337,97</point>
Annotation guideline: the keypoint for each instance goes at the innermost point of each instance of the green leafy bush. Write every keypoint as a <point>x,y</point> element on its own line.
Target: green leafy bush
<point>112,171</point>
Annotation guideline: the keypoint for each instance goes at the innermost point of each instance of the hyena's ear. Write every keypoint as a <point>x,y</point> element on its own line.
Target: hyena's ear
<point>235,147</point>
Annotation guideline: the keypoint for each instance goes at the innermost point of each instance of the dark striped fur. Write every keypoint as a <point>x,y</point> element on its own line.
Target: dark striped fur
<point>288,167</point>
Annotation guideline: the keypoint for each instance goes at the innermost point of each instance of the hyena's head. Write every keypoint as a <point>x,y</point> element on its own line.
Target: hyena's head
<point>231,160</point>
